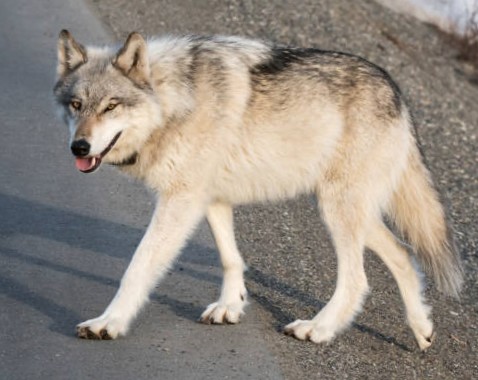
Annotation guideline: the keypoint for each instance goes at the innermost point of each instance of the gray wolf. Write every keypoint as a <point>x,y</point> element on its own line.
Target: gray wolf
<point>213,122</point>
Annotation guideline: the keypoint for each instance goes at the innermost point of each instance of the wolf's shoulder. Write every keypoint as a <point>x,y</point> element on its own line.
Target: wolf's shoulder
<point>209,44</point>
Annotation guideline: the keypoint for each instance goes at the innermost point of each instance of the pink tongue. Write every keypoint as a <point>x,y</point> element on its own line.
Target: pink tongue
<point>84,164</point>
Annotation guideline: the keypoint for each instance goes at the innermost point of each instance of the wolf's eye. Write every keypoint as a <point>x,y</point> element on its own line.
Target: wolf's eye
<point>111,107</point>
<point>75,104</point>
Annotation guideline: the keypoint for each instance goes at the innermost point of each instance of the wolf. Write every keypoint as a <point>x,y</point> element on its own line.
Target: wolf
<point>209,123</point>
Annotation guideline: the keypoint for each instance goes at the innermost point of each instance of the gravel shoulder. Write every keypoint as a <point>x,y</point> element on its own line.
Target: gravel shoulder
<point>292,265</point>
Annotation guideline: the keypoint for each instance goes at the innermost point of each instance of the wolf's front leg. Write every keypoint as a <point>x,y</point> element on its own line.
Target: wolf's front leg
<point>229,307</point>
<point>173,220</point>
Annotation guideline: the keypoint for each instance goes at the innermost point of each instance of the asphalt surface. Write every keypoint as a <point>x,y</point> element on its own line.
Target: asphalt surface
<point>66,238</point>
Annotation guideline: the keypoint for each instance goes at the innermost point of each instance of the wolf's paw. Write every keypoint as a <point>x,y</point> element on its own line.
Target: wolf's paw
<point>425,341</point>
<point>423,332</point>
<point>101,328</point>
<point>309,330</point>
<point>221,312</point>
<point>218,313</point>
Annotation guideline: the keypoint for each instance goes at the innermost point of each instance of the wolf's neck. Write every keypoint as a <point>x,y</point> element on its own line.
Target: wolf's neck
<point>171,67</point>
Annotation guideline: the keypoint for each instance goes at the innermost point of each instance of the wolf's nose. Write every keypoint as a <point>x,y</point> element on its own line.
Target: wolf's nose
<point>80,148</point>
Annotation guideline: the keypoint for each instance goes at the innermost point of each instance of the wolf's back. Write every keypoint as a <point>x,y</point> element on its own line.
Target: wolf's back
<point>417,212</point>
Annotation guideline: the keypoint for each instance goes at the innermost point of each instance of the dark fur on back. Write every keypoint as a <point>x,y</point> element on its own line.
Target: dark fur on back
<point>341,72</point>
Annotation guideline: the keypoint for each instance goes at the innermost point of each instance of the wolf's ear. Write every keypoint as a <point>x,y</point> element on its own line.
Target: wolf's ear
<point>132,59</point>
<point>71,54</point>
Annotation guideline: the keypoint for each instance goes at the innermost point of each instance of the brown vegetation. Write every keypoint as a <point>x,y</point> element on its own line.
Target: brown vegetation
<point>467,43</point>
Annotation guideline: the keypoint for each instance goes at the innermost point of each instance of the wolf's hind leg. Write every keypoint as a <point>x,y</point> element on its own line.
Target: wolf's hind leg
<point>172,222</point>
<point>347,227</point>
<point>229,307</point>
<point>384,244</point>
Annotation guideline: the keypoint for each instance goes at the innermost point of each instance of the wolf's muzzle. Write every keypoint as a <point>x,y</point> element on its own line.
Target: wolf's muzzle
<point>80,148</point>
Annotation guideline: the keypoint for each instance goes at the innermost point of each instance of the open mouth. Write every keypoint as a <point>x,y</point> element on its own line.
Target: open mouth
<point>90,164</point>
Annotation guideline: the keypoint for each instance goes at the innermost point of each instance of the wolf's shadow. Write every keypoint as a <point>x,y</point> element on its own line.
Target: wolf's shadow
<point>24,217</point>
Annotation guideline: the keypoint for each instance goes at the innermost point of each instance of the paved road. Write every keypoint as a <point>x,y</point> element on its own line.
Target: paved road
<point>66,238</point>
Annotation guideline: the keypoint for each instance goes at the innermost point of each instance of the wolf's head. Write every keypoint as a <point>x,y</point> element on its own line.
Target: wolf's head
<point>106,99</point>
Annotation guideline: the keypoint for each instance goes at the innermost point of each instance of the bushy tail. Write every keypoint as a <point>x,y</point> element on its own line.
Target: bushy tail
<point>418,214</point>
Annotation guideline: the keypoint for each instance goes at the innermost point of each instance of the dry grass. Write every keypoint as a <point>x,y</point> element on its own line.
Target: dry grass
<point>467,43</point>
